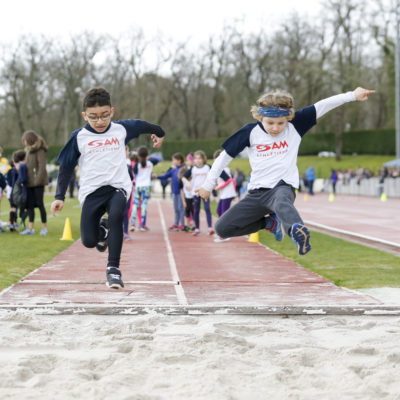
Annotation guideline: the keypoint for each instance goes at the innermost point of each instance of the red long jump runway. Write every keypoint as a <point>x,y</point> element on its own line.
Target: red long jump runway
<point>176,273</point>
<point>365,220</point>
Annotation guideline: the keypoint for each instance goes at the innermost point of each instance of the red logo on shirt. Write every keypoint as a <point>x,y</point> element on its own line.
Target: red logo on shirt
<point>265,147</point>
<point>100,143</point>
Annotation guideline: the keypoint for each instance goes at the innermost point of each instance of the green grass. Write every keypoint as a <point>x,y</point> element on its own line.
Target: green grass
<point>20,255</point>
<point>346,264</point>
<point>322,165</point>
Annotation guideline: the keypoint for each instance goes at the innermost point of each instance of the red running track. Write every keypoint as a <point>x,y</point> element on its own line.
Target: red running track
<point>174,272</point>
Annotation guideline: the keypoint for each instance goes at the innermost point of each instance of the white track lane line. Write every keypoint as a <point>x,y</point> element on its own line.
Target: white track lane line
<point>358,235</point>
<point>180,293</point>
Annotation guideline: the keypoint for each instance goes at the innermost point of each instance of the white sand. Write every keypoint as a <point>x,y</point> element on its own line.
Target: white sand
<point>203,357</point>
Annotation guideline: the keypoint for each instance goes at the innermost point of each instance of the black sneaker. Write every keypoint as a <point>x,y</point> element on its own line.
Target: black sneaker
<point>102,244</point>
<point>114,280</point>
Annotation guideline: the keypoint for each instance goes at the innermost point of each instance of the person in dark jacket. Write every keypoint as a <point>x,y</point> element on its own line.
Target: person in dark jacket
<point>36,148</point>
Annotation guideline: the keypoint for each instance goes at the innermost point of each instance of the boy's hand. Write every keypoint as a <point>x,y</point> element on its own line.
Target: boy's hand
<point>56,205</point>
<point>201,192</point>
<point>157,141</point>
<point>362,94</point>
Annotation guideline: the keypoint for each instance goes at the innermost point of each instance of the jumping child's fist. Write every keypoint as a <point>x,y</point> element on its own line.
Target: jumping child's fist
<point>56,205</point>
<point>362,94</point>
<point>201,192</point>
<point>157,141</point>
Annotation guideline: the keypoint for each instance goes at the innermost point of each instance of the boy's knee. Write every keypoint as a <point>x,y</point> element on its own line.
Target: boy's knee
<point>88,242</point>
<point>221,229</point>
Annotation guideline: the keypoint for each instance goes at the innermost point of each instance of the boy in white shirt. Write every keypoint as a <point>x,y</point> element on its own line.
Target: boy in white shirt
<point>105,184</point>
<point>273,143</point>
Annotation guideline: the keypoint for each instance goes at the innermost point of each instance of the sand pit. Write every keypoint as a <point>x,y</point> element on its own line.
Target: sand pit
<point>198,357</point>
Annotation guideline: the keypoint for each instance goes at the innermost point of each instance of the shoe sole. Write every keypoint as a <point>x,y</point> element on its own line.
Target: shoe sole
<point>302,239</point>
<point>114,286</point>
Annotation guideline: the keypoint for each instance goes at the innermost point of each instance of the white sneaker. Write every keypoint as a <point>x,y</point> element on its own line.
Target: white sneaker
<point>219,239</point>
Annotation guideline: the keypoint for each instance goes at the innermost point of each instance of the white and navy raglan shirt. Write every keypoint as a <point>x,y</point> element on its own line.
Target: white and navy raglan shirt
<point>273,158</point>
<point>143,174</point>
<point>101,156</point>
<point>198,175</point>
<point>226,184</point>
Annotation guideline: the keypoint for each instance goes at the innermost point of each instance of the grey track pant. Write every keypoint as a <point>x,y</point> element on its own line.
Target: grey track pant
<point>248,216</point>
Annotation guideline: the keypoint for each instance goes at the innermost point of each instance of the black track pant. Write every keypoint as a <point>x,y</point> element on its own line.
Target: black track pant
<point>35,199</point>
<point>113,201</point>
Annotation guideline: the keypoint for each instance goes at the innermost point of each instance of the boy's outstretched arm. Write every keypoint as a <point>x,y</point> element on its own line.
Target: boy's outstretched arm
<point>136,127</point>
<point>219,164</point>
<point>324,106</point>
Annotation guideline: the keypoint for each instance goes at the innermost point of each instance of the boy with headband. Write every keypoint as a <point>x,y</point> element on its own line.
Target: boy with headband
<point>273,143</point>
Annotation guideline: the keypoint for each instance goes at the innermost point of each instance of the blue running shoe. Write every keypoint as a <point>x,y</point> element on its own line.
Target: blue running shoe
<point>27,232</point>
<point>276,229</point>
<point>300,236</point>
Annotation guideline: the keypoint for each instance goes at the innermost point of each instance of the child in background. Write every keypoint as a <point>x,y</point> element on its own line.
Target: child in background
<point>177,164</point>
<point>198,173</point>
<point>18,159</point>
<point>189,160</point>
<point>134,160</point>
<point>227,191</point>
<point>273,143</point>
<point>142,172</point>
<point>187,199</point>
<point>128,204</point>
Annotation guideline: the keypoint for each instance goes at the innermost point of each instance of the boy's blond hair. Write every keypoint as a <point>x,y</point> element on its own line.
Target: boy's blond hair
<point>273,99</point>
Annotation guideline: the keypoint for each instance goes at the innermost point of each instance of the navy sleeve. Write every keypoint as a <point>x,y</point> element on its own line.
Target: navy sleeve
<point>225,176</point>
<point>63,180</point>
<point>3,182</point>
<point>70,154</point>
<point>136,169</point>
<point>188,173</point>
<point>304,119</point>
<point>130,172</point>
<point>238,141</point>
<point>154,160</point>
<point>167,175</point>
<point>22,173</point>
<point>135,127</point>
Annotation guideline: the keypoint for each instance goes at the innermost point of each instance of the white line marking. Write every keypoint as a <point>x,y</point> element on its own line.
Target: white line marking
<point>94,282</point>
<point>180,293</point>
<point>373,239</point>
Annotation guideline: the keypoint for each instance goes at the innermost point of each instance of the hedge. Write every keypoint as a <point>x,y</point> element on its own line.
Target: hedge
<point>379,141</point>
<point>51,155</point>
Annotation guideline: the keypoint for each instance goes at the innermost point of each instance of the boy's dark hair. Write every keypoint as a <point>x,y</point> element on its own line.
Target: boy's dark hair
<point>217,153</point>
<point>142,155</point>
<point>179,156</point>
<point>18,156</point>
<point>96,97</point>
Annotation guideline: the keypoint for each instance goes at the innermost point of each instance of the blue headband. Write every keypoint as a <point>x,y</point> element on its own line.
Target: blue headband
<point>274,112</point>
